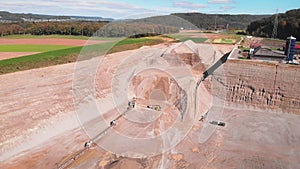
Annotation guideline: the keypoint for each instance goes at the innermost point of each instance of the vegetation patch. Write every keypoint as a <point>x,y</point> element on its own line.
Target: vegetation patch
<point>184,38</point>
<point>31,48</point>
<point>241,48</point>
<point>29,36</point>
<point>70,54</point>
<point>224,41</point>
<point>288,24</point>
<point>78,37</point>
<point>135,43</point>
<point>39,60</point>
<point>208,21</point>
<point>196,40</point>
<point>51,28</point>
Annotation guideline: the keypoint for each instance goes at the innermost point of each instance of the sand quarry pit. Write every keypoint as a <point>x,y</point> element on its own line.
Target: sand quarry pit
<point>40,128</point>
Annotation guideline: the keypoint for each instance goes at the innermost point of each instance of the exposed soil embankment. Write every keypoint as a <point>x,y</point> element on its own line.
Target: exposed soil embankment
<point>262,85</point>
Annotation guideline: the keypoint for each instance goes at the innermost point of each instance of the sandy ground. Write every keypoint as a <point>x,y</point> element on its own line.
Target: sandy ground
<point>258,146</point>
<point>210,36</point>
<point>223,48</point>
<point>33,103</point>
<point>8,55</point>
<point>40,127</point>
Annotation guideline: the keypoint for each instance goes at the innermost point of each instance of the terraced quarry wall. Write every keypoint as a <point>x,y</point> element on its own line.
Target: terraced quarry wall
<point>256,85</point>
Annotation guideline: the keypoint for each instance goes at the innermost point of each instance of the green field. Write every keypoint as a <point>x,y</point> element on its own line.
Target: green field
<point>55,54</point>
<point>134,41</point>
<point>31,48</point>
<point>196,40</point>
<point>185,37</point>
<point>38,60</point>
<point>58,37</point>
<point>45,36</point>
<point>224,41</point>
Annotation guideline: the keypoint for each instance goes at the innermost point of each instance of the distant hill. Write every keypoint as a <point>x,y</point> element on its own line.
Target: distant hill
<point>19,17</point>
<point>288,24</point>
<point>87,26</point>
<point>168,20</point>
<point>91,18</point>
<point>209,21</point>
<point>7,17</point>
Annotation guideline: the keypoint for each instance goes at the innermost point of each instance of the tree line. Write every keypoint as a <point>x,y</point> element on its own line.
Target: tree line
<point>288,24</point>
<point>50,28</point>
<point>128,29</point>
<point>103,29</point>
<point>219,21</point>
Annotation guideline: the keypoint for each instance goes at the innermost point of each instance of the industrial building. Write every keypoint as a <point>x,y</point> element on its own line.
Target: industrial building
<point>290,52</point>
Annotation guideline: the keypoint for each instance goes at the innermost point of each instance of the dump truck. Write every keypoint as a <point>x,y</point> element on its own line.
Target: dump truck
<point>131,104</point>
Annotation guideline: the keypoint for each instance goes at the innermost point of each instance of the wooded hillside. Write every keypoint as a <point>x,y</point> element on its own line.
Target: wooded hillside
<point>19,17</point>
<point>50,28</point>
<point>209,21</point>
<point>288,24</point>
<point>103,29</point>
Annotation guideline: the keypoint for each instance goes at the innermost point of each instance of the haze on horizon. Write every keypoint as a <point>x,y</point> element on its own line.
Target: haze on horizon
<point>122,9</point>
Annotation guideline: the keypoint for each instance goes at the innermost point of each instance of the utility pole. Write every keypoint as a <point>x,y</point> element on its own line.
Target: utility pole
<point>274,34</point>
<point>216,22</point>
<point>274,85</point>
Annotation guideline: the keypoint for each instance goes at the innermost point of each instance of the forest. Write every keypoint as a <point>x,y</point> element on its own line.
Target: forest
<point>288,24</point>
<point>131,28</point>
<point>104,29</point>
<point>49,28</point>
<point>219,21</point>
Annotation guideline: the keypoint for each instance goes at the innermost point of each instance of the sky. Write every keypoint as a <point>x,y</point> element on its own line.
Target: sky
<point>123,9</point>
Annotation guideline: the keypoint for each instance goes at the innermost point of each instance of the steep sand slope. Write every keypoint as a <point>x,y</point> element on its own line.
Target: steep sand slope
<point>40,127</point>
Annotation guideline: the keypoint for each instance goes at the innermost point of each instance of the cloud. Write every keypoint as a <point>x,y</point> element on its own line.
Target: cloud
<point>119,5</point>
<point>221,1</point>
<point>223,9</point>
<point>226,8</point>
<point>188,5</point>
<point>102,8</point>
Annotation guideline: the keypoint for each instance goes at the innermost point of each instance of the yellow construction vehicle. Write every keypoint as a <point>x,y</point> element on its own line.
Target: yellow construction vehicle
<point>154,107</point>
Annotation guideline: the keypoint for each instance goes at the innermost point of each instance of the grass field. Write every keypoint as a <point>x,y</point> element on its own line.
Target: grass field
<point>45,36</point>
<point>57,37</point>
<point>196,40</point>
<point>31,48</point>
<point>135,43</point>
<point>185,37</point>
<point>69,54</point>
<point>224,41</point>
<point>39,60</point>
